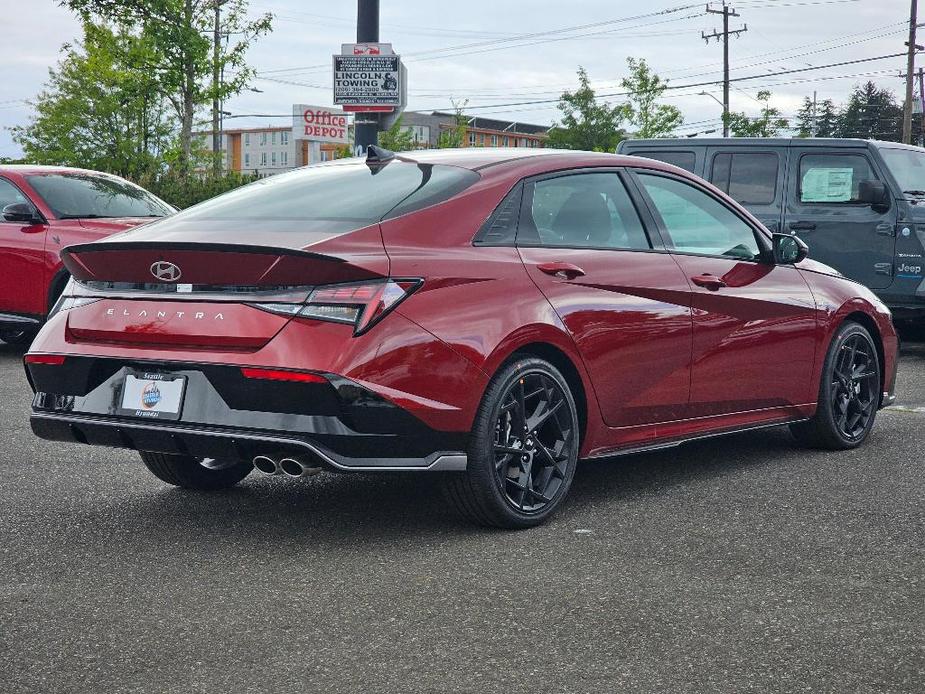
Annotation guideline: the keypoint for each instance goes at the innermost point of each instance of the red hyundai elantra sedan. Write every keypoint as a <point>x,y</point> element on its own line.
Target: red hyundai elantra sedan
<point>490,315</point>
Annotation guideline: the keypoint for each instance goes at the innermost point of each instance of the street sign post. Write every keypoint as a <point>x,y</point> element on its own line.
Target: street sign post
<point>368,80</point>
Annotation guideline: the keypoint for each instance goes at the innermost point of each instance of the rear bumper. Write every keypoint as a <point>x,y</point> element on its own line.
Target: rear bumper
<point>223,443</point>
<point>339,423</point>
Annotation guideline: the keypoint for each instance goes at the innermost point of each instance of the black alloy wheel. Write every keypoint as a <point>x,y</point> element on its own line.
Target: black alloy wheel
<point>849,394</point>
<point>855,384</point>
<point>532,436</point>
<point>523,450</point>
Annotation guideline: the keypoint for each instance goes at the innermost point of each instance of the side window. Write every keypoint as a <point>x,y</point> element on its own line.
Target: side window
<point>832,178</point>
<point>9,194</point>
<point>581,211</point>
<point>750,178</point>
<point>684,160</point>
<point>697,222</point>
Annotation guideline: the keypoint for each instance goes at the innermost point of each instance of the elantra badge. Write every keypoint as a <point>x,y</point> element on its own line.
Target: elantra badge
<point>166,272</point>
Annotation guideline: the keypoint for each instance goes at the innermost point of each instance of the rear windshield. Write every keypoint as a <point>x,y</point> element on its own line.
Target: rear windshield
<point>350,193</point>
<point>89,196</point>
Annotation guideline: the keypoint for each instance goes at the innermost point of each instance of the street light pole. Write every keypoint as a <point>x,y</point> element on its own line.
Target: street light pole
<point>216,85</point>
<point>723,106</point>
<point>366,125</point>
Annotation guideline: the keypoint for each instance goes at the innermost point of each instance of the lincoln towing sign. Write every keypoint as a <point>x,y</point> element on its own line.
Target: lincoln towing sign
<point>368,77</point>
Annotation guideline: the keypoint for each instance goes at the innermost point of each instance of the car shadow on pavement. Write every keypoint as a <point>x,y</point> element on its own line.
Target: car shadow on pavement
<point>339,508</point>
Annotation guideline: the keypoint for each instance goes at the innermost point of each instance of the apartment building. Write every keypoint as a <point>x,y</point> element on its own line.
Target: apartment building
<point>480,132</point>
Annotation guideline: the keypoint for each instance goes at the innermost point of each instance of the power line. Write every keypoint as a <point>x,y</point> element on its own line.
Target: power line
<point>452,50</point>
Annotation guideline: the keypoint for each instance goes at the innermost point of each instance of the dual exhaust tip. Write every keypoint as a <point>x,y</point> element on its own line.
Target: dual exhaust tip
<point>290,465</point>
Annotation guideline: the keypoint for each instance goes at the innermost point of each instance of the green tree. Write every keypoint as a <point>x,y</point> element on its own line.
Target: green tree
<point>768,124</point>
<point>397,138</point>
<point>180,55</point>
<point>871,113</point>
<point>824,118</point>
<point>455,136</point>
<point>587,124</point>
<point>642,109</point>
<point>98,109</point>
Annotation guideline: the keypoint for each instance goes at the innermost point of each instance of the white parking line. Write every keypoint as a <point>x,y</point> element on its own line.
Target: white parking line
<point>918,409</point>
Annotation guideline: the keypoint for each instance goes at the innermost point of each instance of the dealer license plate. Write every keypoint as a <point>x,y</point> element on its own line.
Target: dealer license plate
<point>153,395</point>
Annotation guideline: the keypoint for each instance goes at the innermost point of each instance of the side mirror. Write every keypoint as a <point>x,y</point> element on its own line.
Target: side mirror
<point>874,193</point>
<point>789,249</point>
<point>20,212</point>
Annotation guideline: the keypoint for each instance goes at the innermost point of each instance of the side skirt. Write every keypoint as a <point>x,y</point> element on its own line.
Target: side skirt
<point>674,443</point>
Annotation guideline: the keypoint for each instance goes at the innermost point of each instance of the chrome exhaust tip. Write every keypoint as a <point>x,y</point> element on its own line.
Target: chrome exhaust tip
<point>297,468</point>
<point>266,465</point>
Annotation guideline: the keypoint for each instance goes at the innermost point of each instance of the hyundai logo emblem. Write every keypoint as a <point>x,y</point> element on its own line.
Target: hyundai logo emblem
<point>166,272</point>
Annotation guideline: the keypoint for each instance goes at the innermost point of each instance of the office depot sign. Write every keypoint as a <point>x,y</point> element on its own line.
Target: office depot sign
<point>319,124</point>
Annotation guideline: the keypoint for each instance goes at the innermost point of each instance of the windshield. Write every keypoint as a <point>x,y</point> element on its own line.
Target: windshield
<point>907,167</point>
<point>351,194</point>
<point>89,196</point>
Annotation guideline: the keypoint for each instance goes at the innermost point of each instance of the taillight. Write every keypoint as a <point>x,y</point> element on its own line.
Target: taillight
<point>282,375</point>
<point>44,359</point>
<point>361,304</point>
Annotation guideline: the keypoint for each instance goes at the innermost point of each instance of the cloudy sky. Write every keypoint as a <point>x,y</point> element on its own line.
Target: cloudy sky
<point>512,59</point>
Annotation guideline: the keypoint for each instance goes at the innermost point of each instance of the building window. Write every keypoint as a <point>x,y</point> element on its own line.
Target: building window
<point>247,139</point>
<point>273,158</point>
<point>263,156</point>
<point>273,137</point>
<point>472,139</point>
<point>507,141</point>
<point>284,138</point>
<point>494,140</point>
<point>284,158</point>
<point>247,160</point>
<point>263,139</point>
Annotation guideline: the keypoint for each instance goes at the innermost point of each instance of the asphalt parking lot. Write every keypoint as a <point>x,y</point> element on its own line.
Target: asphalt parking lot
<point>739,565</point>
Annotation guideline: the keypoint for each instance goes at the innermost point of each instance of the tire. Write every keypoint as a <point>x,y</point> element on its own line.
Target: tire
<point>506,488</point>
<point>192,473</point>
<point>849,393</point>
<point>17,338</point>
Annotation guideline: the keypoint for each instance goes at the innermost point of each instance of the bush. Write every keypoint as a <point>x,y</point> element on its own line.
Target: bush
<point>184,191</point>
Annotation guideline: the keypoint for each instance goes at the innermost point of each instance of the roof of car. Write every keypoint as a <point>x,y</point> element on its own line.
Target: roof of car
<point>478,158</point>
<point>26,169</point>
<point>687,143</point>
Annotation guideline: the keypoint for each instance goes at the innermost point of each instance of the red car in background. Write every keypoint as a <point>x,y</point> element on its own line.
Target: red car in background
<point>42,210</point>
<point>488,315</point>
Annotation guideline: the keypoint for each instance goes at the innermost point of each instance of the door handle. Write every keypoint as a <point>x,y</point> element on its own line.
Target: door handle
<point>708,281</point>
<point>886,229</point>
<point>802,226</point>
<point>564,270</point>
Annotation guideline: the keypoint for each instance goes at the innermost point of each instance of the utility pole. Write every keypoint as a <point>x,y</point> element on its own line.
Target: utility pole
<point>216,84</point>
<point>814,128</point>
<point>910,69</point>
<point>366,125</point>
<point>723,36</point>
<point>922,105</point>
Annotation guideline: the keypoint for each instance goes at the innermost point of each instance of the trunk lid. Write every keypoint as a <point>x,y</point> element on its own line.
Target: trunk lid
<point>199,294</point>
